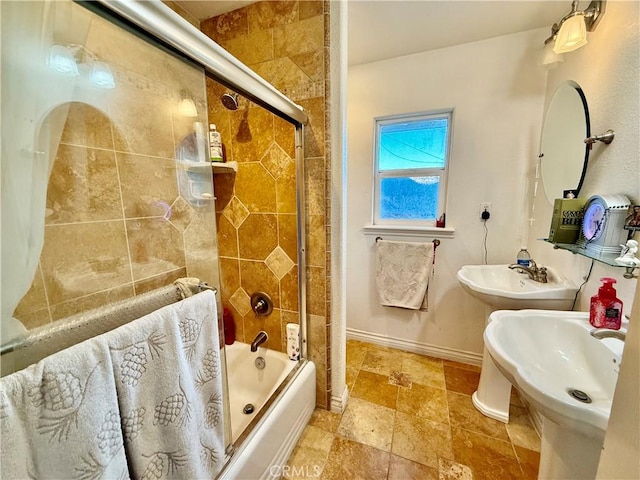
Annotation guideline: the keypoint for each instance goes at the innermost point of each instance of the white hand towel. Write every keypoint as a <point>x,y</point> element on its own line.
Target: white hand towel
<point>59,418</point>
<point>169,383</point>
<point>403,270</point>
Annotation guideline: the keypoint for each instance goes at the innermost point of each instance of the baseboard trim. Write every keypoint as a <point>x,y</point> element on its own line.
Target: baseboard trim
<point>339,402</point>
<point>415,347</point>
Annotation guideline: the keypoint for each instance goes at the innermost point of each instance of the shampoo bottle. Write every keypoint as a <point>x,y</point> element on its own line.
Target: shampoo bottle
<point>606,309</point>
<point>229,327</point>
<point>215,144</point>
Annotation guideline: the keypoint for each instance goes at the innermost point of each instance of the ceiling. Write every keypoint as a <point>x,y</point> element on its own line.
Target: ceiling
<point>381,29</point>
<point>203,9</point>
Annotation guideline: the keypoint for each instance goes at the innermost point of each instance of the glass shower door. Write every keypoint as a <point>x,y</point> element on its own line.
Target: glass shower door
<point>106,191</point>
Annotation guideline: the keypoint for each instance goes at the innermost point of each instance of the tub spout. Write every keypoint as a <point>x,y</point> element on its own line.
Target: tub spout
<point>260,338</point>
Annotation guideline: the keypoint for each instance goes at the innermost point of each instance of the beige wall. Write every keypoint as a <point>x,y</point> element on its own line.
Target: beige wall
<point>607,71</point>
<point>620,458</point>
<point>496,89</point>
<point>118,222</point>
<point>286,44</point>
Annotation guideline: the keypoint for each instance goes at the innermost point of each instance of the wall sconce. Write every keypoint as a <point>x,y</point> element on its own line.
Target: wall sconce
<point>62,60</point>
<point>571,32</point>
<point>75,60</point>
<point>187,106</point>
<point>101,75</point>
<point>549,57</point>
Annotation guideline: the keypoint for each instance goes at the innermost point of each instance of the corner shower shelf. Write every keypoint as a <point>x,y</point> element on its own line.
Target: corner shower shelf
<point>207,167</point>
<point>602,258</point>
<point>224,167</point>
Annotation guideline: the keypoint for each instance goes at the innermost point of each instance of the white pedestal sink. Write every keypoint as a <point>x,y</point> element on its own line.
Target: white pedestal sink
<point>567,375</point>
<point>506,289</point>
<point>501,288</point>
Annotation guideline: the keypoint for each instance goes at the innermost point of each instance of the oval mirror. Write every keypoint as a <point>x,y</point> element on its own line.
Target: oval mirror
<point>564,153</point>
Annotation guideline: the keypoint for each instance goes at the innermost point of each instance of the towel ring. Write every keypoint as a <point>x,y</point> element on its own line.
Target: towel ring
<point>436,242</point>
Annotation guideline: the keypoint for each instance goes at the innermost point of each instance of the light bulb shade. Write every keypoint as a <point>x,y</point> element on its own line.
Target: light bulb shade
<point>101,75</point>
<point>572,34</point>
<point>549,57</point>
<point>187,108</point>
<point>61,60</point>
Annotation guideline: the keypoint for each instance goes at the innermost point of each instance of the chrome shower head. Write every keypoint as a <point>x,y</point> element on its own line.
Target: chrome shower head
<point>229,100</point>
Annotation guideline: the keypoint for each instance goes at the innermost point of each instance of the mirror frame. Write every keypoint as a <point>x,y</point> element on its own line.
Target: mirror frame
<point>587,147</point>
<point>587,119</point>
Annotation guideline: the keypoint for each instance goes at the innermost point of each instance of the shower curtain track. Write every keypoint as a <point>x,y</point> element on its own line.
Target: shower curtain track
<point>163,24</point>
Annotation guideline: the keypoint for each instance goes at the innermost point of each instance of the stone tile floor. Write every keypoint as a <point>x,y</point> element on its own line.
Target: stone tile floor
<point>410,417</point>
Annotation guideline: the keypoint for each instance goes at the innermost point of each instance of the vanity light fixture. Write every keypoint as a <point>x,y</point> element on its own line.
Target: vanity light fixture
<point>549,57</point>
<point>62,60</point>
<point>75,60</point>
<point>101,75</point>
<point>187,106</point>
<point>571,32</point>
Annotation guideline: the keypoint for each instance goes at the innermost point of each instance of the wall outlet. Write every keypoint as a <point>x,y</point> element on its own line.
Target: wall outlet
<point>485,206</point>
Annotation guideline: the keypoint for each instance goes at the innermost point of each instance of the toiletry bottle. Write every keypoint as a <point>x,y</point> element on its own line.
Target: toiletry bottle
<point>606,309</point>
<point>215,144</point>
<point>229,326</point>
<point>523,258</point>
<point>293,341</point>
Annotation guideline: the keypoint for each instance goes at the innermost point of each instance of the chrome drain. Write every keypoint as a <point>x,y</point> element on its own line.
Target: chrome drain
<point>579,395</point>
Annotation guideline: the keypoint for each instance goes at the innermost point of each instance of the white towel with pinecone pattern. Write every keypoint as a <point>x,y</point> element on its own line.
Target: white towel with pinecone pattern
<point>169,384</point>
<point>59,418</point>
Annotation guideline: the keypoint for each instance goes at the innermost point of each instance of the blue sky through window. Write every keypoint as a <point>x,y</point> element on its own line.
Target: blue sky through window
<point>413,198</point>
<point>419,144</point>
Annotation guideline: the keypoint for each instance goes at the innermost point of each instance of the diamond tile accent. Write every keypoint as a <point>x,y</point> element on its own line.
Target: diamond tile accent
<point>276,160</point>
<point>236,212</point>
<point>241,301</point>
<point>181,214</point>
<point>279,262</point>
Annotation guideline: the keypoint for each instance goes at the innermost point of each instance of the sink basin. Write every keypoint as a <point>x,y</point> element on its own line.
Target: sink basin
<point>546,355</point>
<point>505,289</point>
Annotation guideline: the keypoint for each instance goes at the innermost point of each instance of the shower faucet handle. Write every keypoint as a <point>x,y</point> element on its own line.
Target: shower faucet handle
<point>261,304</point>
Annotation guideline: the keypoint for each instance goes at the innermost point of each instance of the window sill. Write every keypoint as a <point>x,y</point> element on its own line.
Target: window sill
<point>409,231</point>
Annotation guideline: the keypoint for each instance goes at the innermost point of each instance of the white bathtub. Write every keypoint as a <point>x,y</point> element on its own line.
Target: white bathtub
<point>248,384</point>
<point>261,453</point>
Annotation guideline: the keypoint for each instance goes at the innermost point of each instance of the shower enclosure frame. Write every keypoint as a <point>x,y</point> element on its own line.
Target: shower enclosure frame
<point>154,20</point>
<point>162,24</point>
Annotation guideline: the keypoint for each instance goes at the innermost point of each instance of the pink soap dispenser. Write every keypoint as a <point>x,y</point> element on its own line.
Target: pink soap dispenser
<point>606,309</point>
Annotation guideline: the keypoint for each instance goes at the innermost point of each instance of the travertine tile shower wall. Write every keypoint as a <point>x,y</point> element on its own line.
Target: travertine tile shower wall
<point>117,223</point>
<point>287,44</point>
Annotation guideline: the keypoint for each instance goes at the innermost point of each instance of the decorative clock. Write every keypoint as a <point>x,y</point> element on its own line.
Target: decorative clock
<point>602,230</point>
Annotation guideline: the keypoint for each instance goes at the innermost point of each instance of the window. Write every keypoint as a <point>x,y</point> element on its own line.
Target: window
<point>411,162</point>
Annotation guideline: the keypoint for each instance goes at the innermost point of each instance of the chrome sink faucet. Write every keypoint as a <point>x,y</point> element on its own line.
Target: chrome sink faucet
<point>260,339</point>
<point>537,274</point>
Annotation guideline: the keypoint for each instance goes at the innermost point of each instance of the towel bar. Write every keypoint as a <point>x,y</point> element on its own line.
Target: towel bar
<point>76,328</point>
<point>436,242</point>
